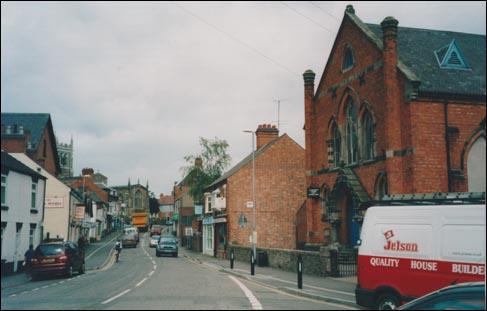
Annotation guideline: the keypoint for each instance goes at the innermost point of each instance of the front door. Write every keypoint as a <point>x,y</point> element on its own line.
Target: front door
<point>353,225</point>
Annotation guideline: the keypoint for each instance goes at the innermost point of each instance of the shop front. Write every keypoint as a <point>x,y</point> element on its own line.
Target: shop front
<point>208,236</point>
<point>220,232</point>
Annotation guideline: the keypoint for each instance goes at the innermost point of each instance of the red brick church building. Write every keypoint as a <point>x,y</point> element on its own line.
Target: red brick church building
<point>397,111</point>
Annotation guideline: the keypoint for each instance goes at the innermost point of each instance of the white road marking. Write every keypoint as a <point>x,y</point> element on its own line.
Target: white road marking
<point>24,292</point>
<point>155,267</point>
<point>35,289</point>
<point>152,272</point>
<point>45,286</point>
<point>140,283</point>
<point>61,282</point>
<point>96,250</point>
<point>253,301</point>
<point>310,286</point>
<point>212,265</point>
<point>13,295</point>
<point>117,296</point>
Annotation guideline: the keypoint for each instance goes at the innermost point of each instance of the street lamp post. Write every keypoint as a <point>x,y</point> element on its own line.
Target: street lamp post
<point>254,233</point>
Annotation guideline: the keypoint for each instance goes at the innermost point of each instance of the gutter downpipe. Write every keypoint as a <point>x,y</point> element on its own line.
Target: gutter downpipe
<point>447,143</point>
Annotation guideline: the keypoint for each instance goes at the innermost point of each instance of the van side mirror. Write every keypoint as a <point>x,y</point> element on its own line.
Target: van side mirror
<point>359,242</point>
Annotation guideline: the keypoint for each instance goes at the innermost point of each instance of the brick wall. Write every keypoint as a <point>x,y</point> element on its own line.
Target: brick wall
<point>47,161</point>
<point>14,144</point>
<point>280,192</point>
<point>314,263</point>
<point>412,132</point>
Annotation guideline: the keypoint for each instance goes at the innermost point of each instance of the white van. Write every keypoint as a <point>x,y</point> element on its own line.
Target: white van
<point>408,251</point>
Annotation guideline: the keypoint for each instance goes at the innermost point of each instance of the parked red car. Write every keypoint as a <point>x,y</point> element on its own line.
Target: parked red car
<point>57,258</point>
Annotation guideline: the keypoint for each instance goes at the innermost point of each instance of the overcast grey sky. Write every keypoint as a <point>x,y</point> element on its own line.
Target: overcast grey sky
<point>136,84</point>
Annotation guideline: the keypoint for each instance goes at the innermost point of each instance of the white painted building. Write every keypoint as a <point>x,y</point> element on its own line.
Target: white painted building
<point>22,201</point>
<point>59,201</point>
<point>214,202</point>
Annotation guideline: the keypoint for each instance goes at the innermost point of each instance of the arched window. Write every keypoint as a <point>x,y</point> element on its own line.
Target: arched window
<point>368,136</point>
<point>381,187</point>
<point>476,166</point>
<point>138,200</point>
<point>334,146</point>
<point>347,62</point>
<point>351,132</point>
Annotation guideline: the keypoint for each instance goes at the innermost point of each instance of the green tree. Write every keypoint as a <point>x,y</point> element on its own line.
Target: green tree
<point>206,167</point>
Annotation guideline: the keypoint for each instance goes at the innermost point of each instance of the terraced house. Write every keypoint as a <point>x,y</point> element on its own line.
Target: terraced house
<point>32,134</point>
<point>397,110</point>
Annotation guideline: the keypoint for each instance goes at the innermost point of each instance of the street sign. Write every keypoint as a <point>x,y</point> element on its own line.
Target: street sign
<point>250,204</point>
<point>80,212</point>
<point>242,220</point>
<point>53,202</point>
<point>188,231</point>
<point>253,237</point>
<point>313,192</point>
<point>198,209</point>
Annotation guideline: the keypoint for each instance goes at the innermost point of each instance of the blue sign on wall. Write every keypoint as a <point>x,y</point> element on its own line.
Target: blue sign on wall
<point>198,209</point>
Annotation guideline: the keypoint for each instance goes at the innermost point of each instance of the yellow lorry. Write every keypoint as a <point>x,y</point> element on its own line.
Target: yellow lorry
<point>141,221</point>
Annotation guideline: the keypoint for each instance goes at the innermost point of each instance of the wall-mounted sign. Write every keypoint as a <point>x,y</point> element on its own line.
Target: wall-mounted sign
<point>219,220</point>
<point>208,220</point>
<point>314,193</point>
<point>198,209</point>
<point>79,212</point>
<point>250,204</point>
<point>242,220</point>
<point>188,231</point>
<point>54,202</point>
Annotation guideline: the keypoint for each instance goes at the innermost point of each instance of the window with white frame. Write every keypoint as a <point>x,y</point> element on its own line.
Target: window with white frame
<point>4,189</point>
<point>33,196</point>
<point>208,198</point>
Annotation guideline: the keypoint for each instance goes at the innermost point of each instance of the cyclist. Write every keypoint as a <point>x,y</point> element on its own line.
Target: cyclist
<point>118,249</point>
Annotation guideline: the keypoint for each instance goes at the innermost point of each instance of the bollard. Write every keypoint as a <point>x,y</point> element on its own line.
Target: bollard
<point>232,258</point>
<point>252,264</point>
<point>300,272</point>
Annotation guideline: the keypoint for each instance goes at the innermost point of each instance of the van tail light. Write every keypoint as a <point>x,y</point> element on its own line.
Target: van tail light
<point>63,258</point>
<point>34,261</point>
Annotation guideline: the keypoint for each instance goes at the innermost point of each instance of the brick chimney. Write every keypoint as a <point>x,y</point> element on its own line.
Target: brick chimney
<point>266,133</point>
<point>198,162</point>
<point>87,171</point>
<point>392,98</point>
<point>309,91</point>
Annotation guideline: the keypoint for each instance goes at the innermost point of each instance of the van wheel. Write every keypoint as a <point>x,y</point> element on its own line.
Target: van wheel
<point>387,301</point>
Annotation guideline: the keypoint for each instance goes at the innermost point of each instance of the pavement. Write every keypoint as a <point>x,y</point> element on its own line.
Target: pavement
<point>334,290</point>
<point>97,255</point>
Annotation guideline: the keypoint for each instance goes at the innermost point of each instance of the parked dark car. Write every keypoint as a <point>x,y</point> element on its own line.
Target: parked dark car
<point>167,245</point>
<point>464,296</point>
<point>57,258</point>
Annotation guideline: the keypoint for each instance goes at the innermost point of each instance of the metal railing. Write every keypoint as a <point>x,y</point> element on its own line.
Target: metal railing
<point>343,262</point>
